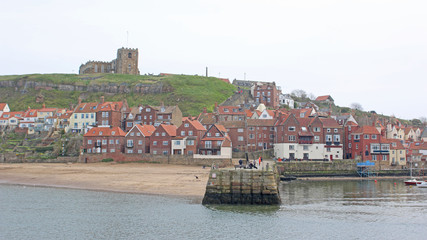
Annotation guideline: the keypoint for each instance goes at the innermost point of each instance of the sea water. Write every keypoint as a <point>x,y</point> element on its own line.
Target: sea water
<point>350,209</point>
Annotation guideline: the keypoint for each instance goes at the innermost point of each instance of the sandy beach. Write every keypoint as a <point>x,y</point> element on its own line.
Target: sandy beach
<point>157,179</point>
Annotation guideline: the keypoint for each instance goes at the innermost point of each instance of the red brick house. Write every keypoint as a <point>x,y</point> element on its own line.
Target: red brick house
<point>237,132</point>
<point>261,134</point>
<point>161,139</point>
<point>366,143</point>
<point>103,140</point>
<point>111,113</point>
<point>267,93</point>
<point>214,140</point>
<point>156,115</point>
<point>137,140</point>
<point>191,131</point>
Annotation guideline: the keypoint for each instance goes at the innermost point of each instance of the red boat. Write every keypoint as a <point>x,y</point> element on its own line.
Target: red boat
<point>413,181</point>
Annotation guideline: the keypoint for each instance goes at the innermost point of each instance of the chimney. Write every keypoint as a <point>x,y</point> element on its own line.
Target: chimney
<point>44,105</point>
<point>204,110</point>
<point>216,106</point>
<point>101,100</point>
<point>79,100</point>
<point>117,107</point>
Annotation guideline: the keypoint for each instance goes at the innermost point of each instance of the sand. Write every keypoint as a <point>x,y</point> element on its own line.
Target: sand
<point>156,179</point>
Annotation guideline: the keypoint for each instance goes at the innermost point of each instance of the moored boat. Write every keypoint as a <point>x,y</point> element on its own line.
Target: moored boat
<point>413,181</point>
<point>422,184</point>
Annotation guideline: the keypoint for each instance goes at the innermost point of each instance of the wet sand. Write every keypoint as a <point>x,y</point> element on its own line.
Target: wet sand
<point>156,179</point>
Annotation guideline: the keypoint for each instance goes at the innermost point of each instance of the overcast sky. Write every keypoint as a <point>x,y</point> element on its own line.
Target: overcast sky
<point>372,52</point>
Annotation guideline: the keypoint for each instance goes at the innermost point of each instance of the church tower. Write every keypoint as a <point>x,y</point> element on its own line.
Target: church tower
<point>127,61</point>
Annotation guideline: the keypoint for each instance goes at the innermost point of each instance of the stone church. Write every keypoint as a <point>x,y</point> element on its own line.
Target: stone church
<point>125,63</point>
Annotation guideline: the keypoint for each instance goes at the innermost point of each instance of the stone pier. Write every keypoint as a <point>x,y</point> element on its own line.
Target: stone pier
<point>242,186</point>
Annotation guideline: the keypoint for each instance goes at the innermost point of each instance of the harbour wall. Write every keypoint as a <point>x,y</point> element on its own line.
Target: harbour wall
<point>242,186</point>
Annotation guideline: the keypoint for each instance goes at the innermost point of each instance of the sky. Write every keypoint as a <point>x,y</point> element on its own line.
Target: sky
<point>371,52</point>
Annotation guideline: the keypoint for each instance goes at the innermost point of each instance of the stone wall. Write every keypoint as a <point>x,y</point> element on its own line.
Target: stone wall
<point>33,158</point>
<point>242,186</point>
<point>162,159</point>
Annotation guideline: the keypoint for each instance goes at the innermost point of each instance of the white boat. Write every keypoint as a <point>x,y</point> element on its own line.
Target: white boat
<point>422,184</point>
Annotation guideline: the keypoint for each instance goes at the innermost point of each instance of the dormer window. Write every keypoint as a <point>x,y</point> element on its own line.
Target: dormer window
<point>304,129</point>
<point>225,109</point>
<point>186,125</point>
<point>113,132</point>
<point>100,133</point>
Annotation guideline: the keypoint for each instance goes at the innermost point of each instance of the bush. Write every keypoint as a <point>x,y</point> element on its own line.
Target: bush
<point>107,160</point>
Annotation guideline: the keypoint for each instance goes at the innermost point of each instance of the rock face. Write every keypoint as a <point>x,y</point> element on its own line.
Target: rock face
<point>140,88</point>
<point>242,186</point>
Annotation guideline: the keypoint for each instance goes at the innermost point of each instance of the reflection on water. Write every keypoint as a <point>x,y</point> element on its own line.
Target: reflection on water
<point>309,210</point>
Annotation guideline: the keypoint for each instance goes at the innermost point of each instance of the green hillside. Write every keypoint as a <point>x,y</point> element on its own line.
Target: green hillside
<point>190,93</point>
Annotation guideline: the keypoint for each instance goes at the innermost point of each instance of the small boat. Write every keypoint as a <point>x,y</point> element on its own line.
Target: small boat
<point>422,184</point>
<point>413,181</point>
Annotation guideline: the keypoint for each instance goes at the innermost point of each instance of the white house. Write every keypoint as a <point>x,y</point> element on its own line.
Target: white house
<point>285,99</point>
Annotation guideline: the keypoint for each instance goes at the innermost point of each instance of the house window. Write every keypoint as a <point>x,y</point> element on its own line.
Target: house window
<point>291,138</point>
<point>251,136</point>
<point>291,147</point>
<point>291,128</point>
<point>111,142</point>
<point>182,133</point>
<point>328,138</point>
<point>104,150</point>
<point>316,138</point>
<point>356,137</point>
<point>208,144</point>
<point>89,150</point>
<point>163,134</point>
<point>374,157</point>
<point>155,152</point>
<point>328,130</point>
<point>384,158</point>
<point>138,134</point>
<point>89,141</point>
<point>154,143</point>
<point>366,136</point>
<point>305,147</point>
<point>335,130</point>
<point>104,141</point>
<point>336,138</point>
<point>190,142</point>
<point>130,150</point>
<point>349,145</point>
<point>130,143</point>
<point>216,134</point>
<point>240,130</point>
<point>240,138</point>
<point>178,143</point>
<point>129,124</point>
<point>190,133</point>
<point>139,142</point>
<point>139,151</point>
<point>129,55</point>
<point>316,129</point>
<point>132,134</point>
<point>374,136</point>
<point>157,134</point>
<point>117,141</point>
<point>165,143</point>
<point>328,149</point>
<point>186,125</point>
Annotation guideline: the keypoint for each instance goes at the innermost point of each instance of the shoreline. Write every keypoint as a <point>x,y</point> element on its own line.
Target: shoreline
<point>176,181</point>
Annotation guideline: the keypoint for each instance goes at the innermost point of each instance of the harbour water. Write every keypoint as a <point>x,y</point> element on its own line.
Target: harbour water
<point>348,209</point>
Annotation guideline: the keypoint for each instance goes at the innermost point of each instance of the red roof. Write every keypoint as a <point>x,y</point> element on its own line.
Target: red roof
<point>197,125</point>
<point>146,130</point>
<point>170,129</point>
<point>87,107</point>
<point>323,98</point>
<point>8,115</point>
<point>330,123</point>
<point>367,130</point>
<point>2,106</point>
<point>249,113</point>
<point>105,131</point>
<point>109,106</point>
<point>221,128</point>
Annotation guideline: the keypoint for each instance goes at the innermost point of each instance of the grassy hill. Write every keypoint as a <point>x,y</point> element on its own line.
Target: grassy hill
<point>190,93</point>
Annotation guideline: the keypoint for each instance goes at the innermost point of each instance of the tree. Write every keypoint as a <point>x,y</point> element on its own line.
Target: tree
<point>356,106</point>
<point>299,93</point>
<point>423,121</point>
<point>311,96</point>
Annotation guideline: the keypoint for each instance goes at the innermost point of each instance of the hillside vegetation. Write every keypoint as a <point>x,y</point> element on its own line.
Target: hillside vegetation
<point>190,93</point>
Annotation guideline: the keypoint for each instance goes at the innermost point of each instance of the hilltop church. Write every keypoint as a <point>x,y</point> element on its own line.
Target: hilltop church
<point>125,63</point>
